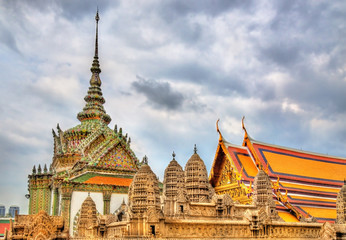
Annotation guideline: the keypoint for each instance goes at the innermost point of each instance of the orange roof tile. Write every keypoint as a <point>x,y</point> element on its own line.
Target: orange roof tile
<point>287,217</point>
<point>312,180</point>
<point>110,181</point>
<point>323,213</point>
<point>300,164</point>
<point>319,189</point>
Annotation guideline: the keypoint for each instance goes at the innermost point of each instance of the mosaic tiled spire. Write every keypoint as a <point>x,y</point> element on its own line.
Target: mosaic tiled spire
<point>94,100</point>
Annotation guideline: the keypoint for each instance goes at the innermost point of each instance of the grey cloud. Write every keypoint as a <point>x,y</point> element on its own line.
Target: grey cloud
<point>7,38</point>
<point>173,19</point>
<point>159,94</point>
<point>177,16</point>
<point>73,10</point>
<point>282,53</point>
<point>174,9</point>
<point>300,28</point>
<point>299,31</point>
<point>213,80</point>
<point>318,91</point>
<point>78,9</point>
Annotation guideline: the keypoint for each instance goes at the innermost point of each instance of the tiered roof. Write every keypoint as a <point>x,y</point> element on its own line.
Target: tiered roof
<point>94,99</point>
<point>304,183</point>
<point>91,153</point>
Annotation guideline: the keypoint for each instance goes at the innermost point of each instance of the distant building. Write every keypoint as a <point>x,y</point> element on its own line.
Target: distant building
<point>12,211</point>
<point>2,211</point>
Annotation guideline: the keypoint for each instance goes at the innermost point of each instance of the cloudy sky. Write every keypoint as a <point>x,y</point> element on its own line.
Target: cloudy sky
<point>170,69</point>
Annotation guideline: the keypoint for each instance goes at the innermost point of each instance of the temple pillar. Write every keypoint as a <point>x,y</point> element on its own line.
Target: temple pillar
<point>55,211</point>
<point>39,190</point>
<point>107,202</point>
<point>32,199</point>
<point>66,194</point>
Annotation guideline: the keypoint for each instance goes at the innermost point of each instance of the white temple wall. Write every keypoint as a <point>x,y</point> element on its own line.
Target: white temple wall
<point>116,201</point>
<point>51,202</point>
<point>60,197</point>
<point>77,200</point>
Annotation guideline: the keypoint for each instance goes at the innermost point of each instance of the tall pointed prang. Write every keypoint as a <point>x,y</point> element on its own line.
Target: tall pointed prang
<point>93,109</point>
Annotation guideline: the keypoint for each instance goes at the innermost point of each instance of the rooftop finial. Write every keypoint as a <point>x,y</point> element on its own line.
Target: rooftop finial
<point>95,68</point>
<point>97,18</point>
<point>173,155</point>
<point>145,160</point>
<point>195,149</point>
<point>94,99</point>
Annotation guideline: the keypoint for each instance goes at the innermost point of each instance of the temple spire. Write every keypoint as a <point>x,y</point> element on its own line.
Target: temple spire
<point>97,18</point>
<point>95,67</point>
<point>93,109</point>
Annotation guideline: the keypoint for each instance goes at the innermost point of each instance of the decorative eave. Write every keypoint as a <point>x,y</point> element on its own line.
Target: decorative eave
<point>222,146</point>
<point>222,149</point>
<point>247,142</point>
<point>90,187</point>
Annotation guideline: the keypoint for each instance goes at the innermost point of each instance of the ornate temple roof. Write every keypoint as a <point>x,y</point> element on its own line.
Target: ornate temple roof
<point>92,146</point>
<point>94,99</point>
<point>300,177</point>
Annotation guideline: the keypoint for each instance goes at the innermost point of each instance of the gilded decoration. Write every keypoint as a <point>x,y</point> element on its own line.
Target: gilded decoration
<point>226,179</point>
<point>228,175</point>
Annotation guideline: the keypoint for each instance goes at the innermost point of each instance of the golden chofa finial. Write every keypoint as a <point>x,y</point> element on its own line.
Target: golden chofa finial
<point>217,126</point>
<point>242,123</point>
<point>218,130</point>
